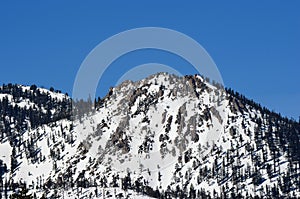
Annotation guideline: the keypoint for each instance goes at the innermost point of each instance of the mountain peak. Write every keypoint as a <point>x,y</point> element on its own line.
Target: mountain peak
<point>164,137</point>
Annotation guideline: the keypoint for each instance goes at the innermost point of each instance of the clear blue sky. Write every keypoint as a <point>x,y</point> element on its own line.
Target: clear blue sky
<point>256,45</point>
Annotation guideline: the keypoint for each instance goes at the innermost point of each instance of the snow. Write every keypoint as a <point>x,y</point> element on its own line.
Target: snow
<point>5,153</point>
<point>104,158</point>
<point>9,97</point>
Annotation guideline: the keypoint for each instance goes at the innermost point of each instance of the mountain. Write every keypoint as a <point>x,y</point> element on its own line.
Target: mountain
<point>162,137</point>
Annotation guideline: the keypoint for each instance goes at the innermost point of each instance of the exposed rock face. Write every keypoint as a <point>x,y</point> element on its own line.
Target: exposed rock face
<point>164,137</point>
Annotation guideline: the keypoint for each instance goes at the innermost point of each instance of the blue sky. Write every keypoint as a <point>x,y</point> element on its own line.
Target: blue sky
<point>256,45</point>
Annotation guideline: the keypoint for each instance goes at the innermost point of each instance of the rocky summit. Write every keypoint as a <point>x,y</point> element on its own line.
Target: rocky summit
<point>161,137</point>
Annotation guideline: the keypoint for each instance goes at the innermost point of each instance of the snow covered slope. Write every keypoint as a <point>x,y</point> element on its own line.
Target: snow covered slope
<point>161,137</point>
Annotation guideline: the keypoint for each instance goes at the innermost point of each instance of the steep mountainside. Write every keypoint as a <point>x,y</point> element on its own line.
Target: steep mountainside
<point>161,137</point>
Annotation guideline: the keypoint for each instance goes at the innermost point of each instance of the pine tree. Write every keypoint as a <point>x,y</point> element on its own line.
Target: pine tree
<point>14,161</point>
